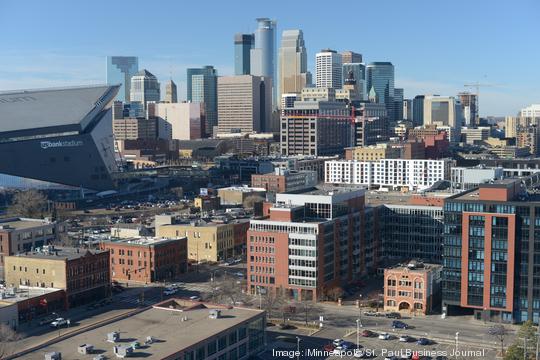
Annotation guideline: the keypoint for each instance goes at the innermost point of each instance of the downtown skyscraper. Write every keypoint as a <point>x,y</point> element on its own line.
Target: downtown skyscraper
<point>202,88</point>
<point>243,43</point>
<point>329,69</point>
<point>380,80</point>
<point>263,54</point>
<point>144,88</point>
<point>120,69</point>
<point>293,74</point>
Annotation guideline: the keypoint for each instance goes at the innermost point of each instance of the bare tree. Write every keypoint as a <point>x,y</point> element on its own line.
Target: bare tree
<point>8,340</point>
<point>273,302</point>
<point>230,288</point>
<point>499,332</point>
<point>29,203</point>
<point>307,308</point>
<point>334,293</point>
<point>251,200</point>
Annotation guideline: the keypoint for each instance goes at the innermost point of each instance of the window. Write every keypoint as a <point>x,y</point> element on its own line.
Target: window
<point>200,353</point>
<point>222,343</point>
<point>242,332</point>
<point>188,355</point>
<point>232,338</point>
<point>212,348</point>
<point>242,350</point>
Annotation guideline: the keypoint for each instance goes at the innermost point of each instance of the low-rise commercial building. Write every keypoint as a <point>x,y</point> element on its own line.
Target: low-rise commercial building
<point>207,202</point>
<point>388,173</point>
<point>83,274</point>
<point>236,195</point>
<point>24,303</point>
<point>372,153</point>
<point>413,289</point>
<point>282,180</point>
<point>464,178</point>
<point>187,330</point>
<point>22,234</point>
<point>128,231</point>
<point>146,260</point>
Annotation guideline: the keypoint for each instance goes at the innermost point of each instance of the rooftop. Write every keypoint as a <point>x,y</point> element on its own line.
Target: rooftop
<point>164,324</point>
<point>141,241</point>
<point>22,293</point>
<point>375,198</point>
<point>51,252</point>
<point>242,189</point>
<point>22,223</point>
<point>327,190</point>
<point>415,266</point>
<point>41,108</point>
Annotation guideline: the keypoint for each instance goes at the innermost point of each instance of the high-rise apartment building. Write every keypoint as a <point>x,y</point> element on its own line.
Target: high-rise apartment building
<point>351,57</point>
<point>293,74</point>
<point>243,43</point>
<point>511,124</point>
<point>202,88</point>
<point>469,108</point>
<point>263,53</point>
<point>380,79</point>
<point>171,95</point>
<point>532,111</point>
<point>316,128</point>
<point>329,69</point>
<point>311,242</point>
<point>244,104</point>
<point>489,258</point>
<point>120,69</point>
<point>144,88</point>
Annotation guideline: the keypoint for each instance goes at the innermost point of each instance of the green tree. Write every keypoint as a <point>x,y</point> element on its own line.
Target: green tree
<point>29,203</point>
<point>527,335</point>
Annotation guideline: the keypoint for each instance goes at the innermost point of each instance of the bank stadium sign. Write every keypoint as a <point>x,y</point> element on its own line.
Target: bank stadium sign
<point>61,144</point>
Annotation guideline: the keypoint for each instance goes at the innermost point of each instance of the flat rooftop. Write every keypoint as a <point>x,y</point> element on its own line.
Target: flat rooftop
<point>419,267</point>
<point>326,189</point>
<point>242,189</point>
<point>22,223</point>
<point>163,324</point>
<point>142,241</point>
<point>376,198</point>
<point>22,293</point>
<point>59,253</point>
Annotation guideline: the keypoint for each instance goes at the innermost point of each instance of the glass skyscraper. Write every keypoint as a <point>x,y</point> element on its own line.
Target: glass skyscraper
<point>263,56</point>
<point>243,43</point>
<point>144,88</point>
<point>380,78</point>
<point>293,74</point>
<point>120,69</point>
<point>202,88</point>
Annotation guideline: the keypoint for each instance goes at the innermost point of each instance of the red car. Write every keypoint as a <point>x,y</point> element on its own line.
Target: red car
<point>329,347</point>
<point>367,333</point>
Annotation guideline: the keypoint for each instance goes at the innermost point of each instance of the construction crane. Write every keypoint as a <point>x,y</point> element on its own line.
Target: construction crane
<point>477,85</point>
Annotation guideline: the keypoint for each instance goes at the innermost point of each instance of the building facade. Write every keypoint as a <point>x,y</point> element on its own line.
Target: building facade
<point>489,259</point>
<point>244,104</point>
<point>372,153</point>
<point>380,79</point>
<point>146,260</point>
<point>186,119</point>
<point>263,54</point>
<point>351,57</point>
<point>415,174</point>
<point>202,88</point>
<point>243,43</point>
<point>329,71</point>
<point>282,180</point>
<point>171,94</point>
<point>293,74</point>
<point>442,110</point>
<point>144,88</point>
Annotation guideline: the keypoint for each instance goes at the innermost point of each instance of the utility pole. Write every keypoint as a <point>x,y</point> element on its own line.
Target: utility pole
<point>297,348</point>
<point>457,343</point>
<point>358,333</point>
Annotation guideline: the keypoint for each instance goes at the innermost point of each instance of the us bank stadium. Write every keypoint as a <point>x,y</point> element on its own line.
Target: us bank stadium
<point>58,138</point>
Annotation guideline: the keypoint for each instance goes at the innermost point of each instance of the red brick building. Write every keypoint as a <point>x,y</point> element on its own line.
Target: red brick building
<point>145,260</point>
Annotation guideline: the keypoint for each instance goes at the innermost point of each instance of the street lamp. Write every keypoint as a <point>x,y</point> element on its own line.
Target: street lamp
<point>298,348</point>
<point>358,333</point>
<point>457,343</point>
<point>260,297</point>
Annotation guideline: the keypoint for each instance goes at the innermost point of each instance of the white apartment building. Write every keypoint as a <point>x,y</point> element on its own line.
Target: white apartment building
<point>413,174</point>
<point>329,69</point>
<point>531,111</point>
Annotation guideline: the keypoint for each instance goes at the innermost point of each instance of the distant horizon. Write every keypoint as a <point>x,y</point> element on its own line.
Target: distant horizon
<point>435,49</point>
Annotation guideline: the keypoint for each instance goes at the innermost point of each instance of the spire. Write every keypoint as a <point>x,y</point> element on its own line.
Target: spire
<point>373,97</point>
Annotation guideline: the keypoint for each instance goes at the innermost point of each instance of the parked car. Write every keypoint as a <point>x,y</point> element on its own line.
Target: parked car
<point>329,347</point>
<point>367,333</point>
<point>396,324</point>
<point>169,291</point>
<point>405,338</point>
<point>384,336</point>
<point>338,342</point>
<point>393,315</point>
<point>423,341</point>
<point>58,322</point>
<point>370,313</point>
<point>194,298</point>
<point>48,319</point>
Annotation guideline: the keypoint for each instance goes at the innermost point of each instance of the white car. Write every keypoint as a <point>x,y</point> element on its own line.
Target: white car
<point>59,322</point>
<point>194,298</point>
<point>384,336</point>
<point>338,342</point>
<point>405,338</point>
<point>169,291</point>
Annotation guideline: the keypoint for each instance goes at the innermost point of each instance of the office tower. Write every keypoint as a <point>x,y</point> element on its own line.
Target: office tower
<point>380,79</point>
<point>244,104</point>
<point>329,69</point>
<point>186,119</point>
<point>311,240</point>
<point>202,87</point>
<point>293,76</point>
<point>144,88</point>
<point>359,72</point>
<point>407,109</point>
<point>120,69</point>
<point>349,92</point>
<point>490,243</point>
<point>263,54</point>
<point>170,92</point>
<point>469,107</point>
<point>287,100</point>
<point>243,43</point>
<point>316,128</point>
<point>532,111</point>
<point>351,57</point>
<point>418,110</point>
<point>442,111</point>
<point>510,126</point>
<point>398,104</point>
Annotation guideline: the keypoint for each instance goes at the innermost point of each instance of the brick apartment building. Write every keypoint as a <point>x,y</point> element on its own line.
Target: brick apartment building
<point>83,274</point>
<point>145,260</point>
<point>311,243</point>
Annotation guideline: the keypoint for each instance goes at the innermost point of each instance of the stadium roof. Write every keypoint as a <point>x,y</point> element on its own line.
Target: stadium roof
<point>41,108</point>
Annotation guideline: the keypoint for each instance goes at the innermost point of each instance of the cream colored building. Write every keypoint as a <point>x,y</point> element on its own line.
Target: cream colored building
<point>372,153</point>
<point>185,119</point>
<point>235,195</point>
<point>510,126</point>
<point>206,241</point>
<point>293,74</point>
<point>442,111</point>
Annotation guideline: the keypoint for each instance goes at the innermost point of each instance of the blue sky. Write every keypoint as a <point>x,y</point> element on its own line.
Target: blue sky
<point>435,46</point>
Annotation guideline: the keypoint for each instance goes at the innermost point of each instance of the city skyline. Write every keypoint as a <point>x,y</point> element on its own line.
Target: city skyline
<point>57,57</point>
